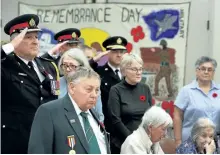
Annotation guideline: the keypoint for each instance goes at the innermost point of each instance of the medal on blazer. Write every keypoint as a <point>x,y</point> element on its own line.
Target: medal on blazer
<point>54,84</point>
<point>71,143</point>
<point>55,87</point>
<point>72,152</point>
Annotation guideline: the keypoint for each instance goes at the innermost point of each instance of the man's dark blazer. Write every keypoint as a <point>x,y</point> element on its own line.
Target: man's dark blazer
<point>53,123</point>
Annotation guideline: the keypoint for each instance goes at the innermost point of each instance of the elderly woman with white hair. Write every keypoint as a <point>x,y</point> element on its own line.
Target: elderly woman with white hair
<point>68,63</point>
<point>145,140</point>
<point>201,140</point>
<point>128,101</point>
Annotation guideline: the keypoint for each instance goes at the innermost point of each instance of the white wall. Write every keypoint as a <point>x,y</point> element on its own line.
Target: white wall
<point>214,36</point>
<point>200,41</point>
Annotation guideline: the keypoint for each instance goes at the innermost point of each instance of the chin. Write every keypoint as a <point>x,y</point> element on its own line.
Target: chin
<point>34,53</point>
<point>90,106</point>
<point>138,80</point>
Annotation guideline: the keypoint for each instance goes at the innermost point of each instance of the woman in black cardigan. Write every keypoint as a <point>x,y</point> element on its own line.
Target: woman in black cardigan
<point>128,101</point>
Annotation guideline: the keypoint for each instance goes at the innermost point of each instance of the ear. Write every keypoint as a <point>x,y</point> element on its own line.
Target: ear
<point>71,88</point>
<point>149,128</point>
<point>123,72</point>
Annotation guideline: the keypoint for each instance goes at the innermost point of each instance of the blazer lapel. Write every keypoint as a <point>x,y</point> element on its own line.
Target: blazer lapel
<point>111,73</point>
<point>74,122</point>
<point>24,67</point>
<point>42,70</point>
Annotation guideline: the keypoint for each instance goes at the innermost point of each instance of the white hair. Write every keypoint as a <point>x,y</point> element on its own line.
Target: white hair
<point>199,126</point>
<point>81,72</point>
<point>76,54</point>
<point>127,60</point>
<point>155,117</point>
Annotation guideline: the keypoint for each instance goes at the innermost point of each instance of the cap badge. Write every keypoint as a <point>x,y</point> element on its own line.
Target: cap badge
<point>119,41</point>
<point>32,22</point>
<point>74,35</point>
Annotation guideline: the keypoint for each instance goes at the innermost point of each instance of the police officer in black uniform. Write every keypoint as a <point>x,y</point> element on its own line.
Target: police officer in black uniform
<point>27,82</point>
<point>67,39</point>
<point>110,73</point>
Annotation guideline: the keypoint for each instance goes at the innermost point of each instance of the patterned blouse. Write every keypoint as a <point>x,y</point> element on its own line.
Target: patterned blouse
<point>188,147</point>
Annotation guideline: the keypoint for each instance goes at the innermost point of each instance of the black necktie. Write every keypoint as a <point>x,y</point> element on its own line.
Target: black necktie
<point>117,75</point>
<point>31,66</point>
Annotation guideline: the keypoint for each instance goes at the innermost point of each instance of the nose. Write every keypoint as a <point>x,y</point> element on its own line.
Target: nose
<point>68,69</point>
<point>35,41</point>
<point>94,94</point>
<point>206,71</point>
<point>208,140</point>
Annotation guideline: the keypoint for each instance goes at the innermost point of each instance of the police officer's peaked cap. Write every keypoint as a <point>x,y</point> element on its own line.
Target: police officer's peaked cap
<point>71,35</point>
<point>19,23</point>
<point>114,43</point>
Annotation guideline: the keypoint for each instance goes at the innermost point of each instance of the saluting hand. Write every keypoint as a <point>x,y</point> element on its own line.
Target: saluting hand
<point>17,40</point>
<point>56,49</point>
<point>100,55</point>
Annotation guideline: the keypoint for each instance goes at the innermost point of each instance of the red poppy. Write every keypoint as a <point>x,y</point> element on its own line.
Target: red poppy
<point>142,98</point>
<point>168,106</point>
<point>137,33</point>
<point>102,124</point>
<point>129,47</point>
<point>214,95</point>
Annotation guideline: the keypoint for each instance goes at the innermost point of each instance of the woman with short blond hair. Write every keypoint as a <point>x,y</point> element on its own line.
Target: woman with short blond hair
<point>128,101</point>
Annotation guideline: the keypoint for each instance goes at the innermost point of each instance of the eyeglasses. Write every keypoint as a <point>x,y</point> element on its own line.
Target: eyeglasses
<point>203,69</point>
<point>71,66</point>
<point>136,70</point>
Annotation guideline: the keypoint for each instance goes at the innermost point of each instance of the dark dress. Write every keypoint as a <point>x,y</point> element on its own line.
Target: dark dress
<point>127,105</point>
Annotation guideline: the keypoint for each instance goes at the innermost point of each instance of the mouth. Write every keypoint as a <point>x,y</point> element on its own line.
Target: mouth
<point>92,102</point>
<point>35,48</point>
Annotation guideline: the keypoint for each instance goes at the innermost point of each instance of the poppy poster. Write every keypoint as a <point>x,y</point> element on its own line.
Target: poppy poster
<point>157,32</point>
